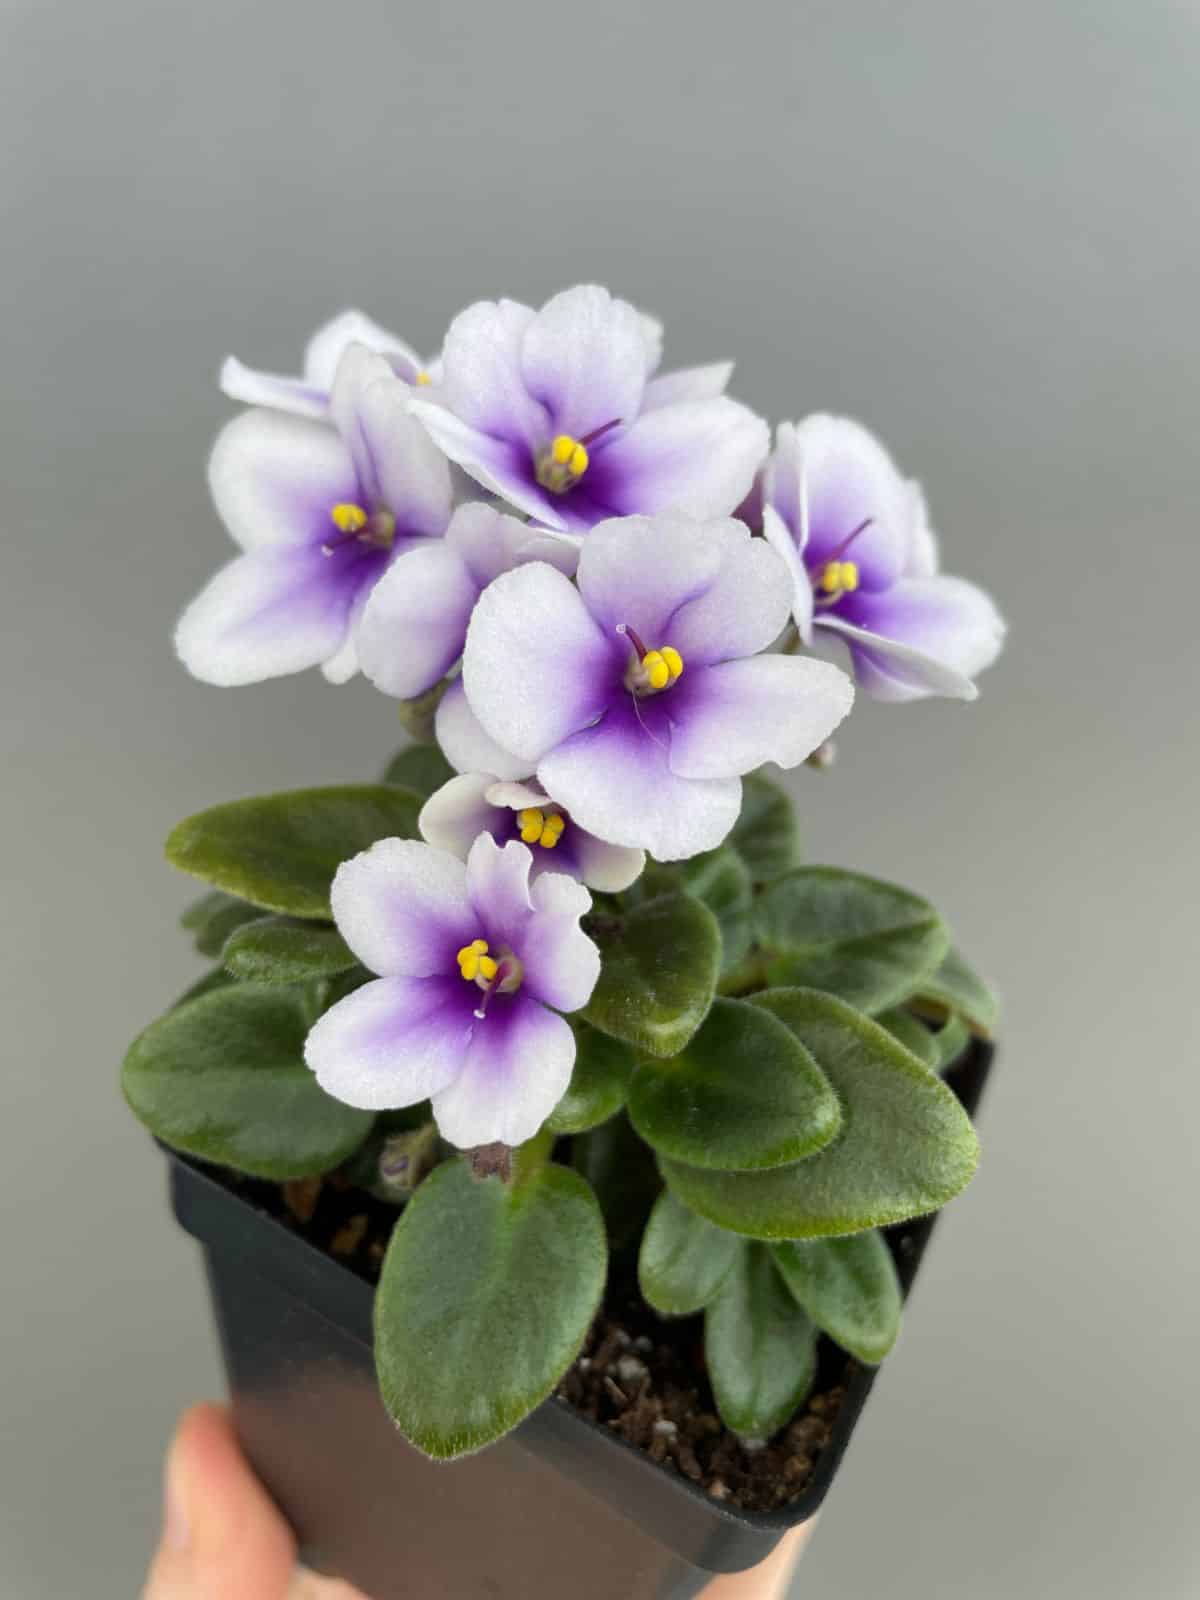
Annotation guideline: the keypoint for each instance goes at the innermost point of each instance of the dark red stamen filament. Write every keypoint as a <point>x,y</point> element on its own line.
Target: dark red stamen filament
<point>598,433</point>
<point>502,972</point>
<point>635,643</point>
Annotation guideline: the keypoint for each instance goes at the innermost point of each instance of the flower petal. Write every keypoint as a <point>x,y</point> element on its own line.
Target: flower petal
<point>491,542</point>
<point>922,558</point>
<point>561,962</point>
<point>743,610</point>
<point>327,346</point>
<point>403,908</point>
<point>584,357</point>
<point>698,457</point>
<point>615,782</point>
<point>504,468</point>
<point>482,382</point>
<point>781,482</point>
<point>924,636</point>
<point>267,614</point>
<point>608,868</point>
<point>779,536</point>
<point>516,1070</point>
<point>849,479</point>
<point>498,888</point>
<point>730,718</point>
<point>536,667</point>
<point>412,473</point>
<point>273,389</point>
<point>456,814</point>
<point>392,1043</point>
<point>639,571</point>
<point>415,622</point>
<point>464,743</point>
<point>275,479</point>
<point>689,383</point>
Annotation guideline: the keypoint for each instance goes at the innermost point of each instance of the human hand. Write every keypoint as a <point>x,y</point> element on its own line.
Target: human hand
<point>223,1537</point>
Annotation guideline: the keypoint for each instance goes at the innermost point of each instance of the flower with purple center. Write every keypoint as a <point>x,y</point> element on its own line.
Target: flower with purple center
<point>415,623</point>
<point>864,564</point>
<point>557,411</point>
<point>475,964</point>
<point>476,802</point>
<point>641,697</point>
<point>321,512</point>
<point>309,394</point>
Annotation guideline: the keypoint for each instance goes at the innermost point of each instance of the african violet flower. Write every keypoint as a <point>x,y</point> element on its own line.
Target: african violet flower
<point>308,396</point>
<point>472,959</point>
<point>558,413</point>
<point>863,561</point>
<point>640,697</point>
<point>415,622</point>
<point>320,513</point>
<point>476,802</point>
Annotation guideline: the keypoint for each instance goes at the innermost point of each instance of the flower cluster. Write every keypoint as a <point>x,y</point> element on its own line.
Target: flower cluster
<point>613,585</point>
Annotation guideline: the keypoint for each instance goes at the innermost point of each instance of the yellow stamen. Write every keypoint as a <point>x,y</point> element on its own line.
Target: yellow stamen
<point>838,577</point>
<point>561,466</point>
<point>673,659</point>
<point>348,518</point>
<point>553,831</point>
<point>530,821</point>
<point>474,959</point>
<point>423,378</point>
<point>661,667</point>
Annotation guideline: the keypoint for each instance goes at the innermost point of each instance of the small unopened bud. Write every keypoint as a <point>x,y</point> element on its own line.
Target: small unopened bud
<point>491,1161</point>
<point>823,756</point>
<point>404,1160</point>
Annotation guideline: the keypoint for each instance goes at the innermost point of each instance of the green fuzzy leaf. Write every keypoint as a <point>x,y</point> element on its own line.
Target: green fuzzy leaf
<point>599,1082</point>
<point>211,919</point>
<point>722,880</point>
<point>216,978</point>
<point>848,1287</point>
<point>285,950</point>
<point>419,767</point>
<point>487,1292</point>
<point>684,1260</point>
<point>912,1034</point>
<point>766,835</point>
<point>759,1346</point>
<point>743,1095</point>
<point>223,1078</point>
<point>906,1145</point>
<point>280,851</point>
<point>869,942</point>
<point>951,1040</point>
<point>659,973</point>
<point>956,989</point>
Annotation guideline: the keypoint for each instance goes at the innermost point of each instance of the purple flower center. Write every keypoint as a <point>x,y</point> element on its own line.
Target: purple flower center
<point>501,974</point>
<point>832,577</point>
<point>565,459</point>
<point>374,529</point>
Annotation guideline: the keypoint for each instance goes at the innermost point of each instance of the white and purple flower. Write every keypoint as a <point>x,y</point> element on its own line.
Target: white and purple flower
<point>309,394</point>
<point>640,697</point>
<point>557,411</point>
<point>415,623</point>
<point>321,512</point>
<point>476,802</point>
<point>864,565</point>
<point>475,964</point>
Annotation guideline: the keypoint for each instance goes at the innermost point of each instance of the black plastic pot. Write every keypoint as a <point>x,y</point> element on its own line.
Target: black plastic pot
<point>560,1507</point>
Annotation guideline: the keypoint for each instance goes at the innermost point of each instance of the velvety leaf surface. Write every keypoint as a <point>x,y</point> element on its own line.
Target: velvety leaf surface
<point>486,1295</point>
<point>599,1082</point>
<point>848,1287</point>
<point>660,966</point>
<point>743,1094</point>
<point>912,1034</point>
<point>419,767</point>
<point>759,1346</point>
<point>766,835</point>
<point>624,1176</point>
<point>211,919</point>
<point>286,950</point>
<point>217,978</point>
<point>223,1077</point>
<point>684,1260</point>
<point>280,851</point>
<point>867,941</point>
<point>722,880</point>
<point>956,988</point>
<point>905,1148</point>
<point>951,1040</point>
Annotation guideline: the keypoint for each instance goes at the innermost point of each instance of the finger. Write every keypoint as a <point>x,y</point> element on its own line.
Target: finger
<point>770,1579</point>
<point>222,1534</point>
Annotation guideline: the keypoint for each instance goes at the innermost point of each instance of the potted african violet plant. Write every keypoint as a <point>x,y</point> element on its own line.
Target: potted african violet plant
<point>544,1113</point>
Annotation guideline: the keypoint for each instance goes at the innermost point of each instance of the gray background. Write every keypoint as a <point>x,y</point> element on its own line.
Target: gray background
<point>973,226</point>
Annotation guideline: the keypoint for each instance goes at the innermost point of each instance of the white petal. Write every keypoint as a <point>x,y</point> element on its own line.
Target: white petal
<point>274,479</point>
<point>273,389</point>
<point>392,1043</point>
<point>412,473</point>
<point>608,868</point>
<point>415,621</point>
<point>328,344</point>
<point>584,358</point>
<point>740,714</point>
<point>561,962</point>
<point>516,1070</point>
<point>689,383</point>
<point>778,536</point>
<point>403,908</point>
<point>464,743</point>
<point>456,814</point>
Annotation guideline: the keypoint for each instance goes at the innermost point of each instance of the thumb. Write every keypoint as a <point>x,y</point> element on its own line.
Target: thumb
<point>222,1534</point>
